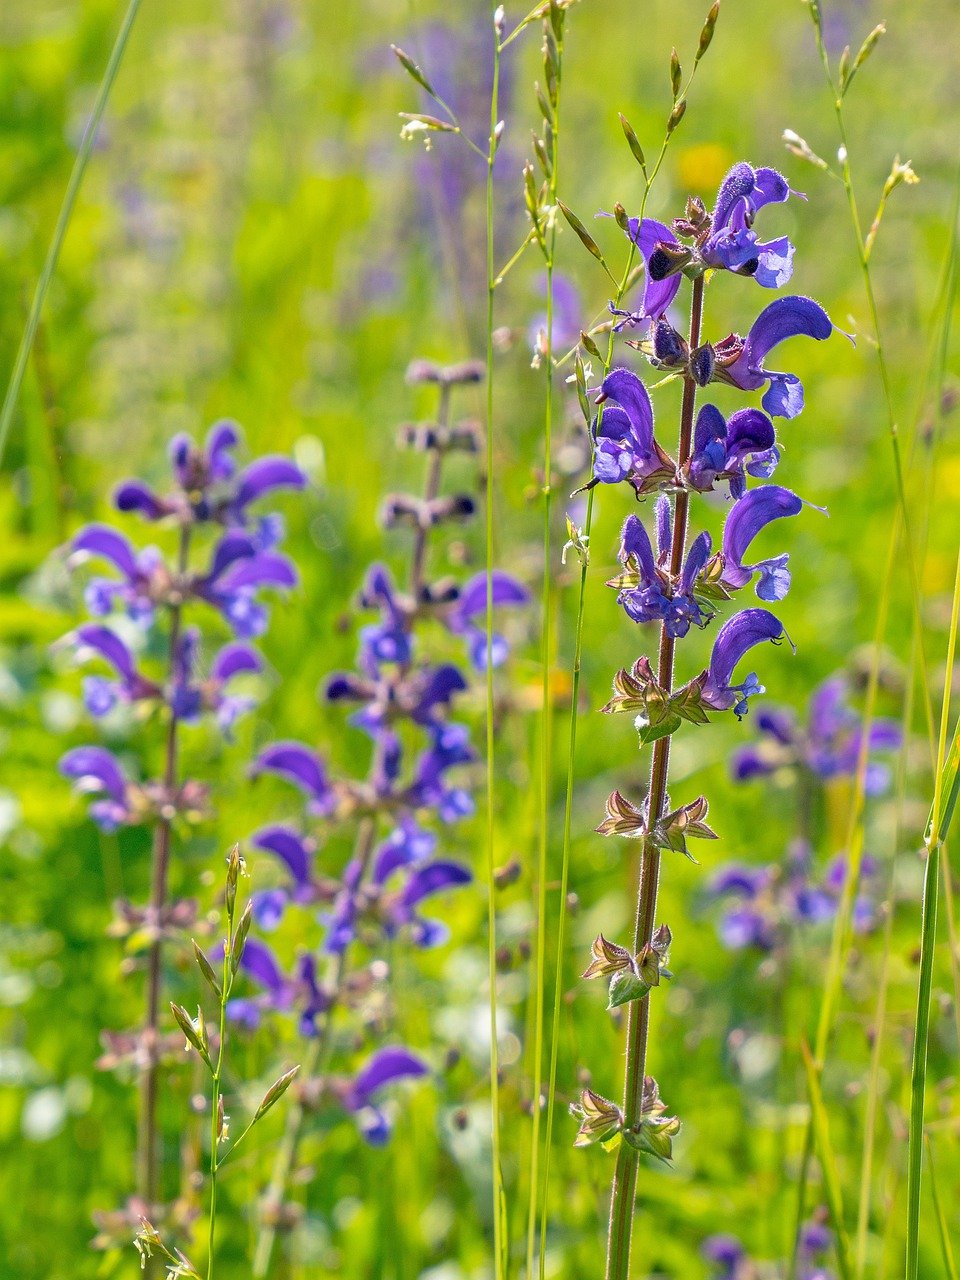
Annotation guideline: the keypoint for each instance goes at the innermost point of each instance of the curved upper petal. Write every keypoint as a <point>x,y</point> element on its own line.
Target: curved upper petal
<point>134,495</point>
<point>266,474</point>
<point>101,540</point>
<point>506,590</point>
<point>744,521</point>
<point>789,317</point>
<point>236,659</point>
<point>109,646</point>
<point>295,762</point>
<point>95,769</point>
<point>657,294</point>
<point>734,639</point>
<point>385,1066</point>
<point>289,847</point>
<point>433,878</point>
<point>627,390</point>
<point>635,542</point>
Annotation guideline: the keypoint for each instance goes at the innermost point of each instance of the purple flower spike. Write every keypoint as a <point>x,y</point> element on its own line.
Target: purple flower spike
<point>744,521</point>
<point>733,641</point>
<point>299,765</point>
<point>740,361</point>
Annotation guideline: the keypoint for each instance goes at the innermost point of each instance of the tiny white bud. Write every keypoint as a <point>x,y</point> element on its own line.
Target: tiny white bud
<point>842,155</point>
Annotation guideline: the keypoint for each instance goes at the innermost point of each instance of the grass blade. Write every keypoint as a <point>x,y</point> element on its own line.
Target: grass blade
<point>946,1248</point>
<point>63,222</point>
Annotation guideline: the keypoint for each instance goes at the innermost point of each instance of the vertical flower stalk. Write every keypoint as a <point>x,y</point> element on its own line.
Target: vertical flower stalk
<point>401,697</point>
<point>681,584</point>
<point>208,494</point>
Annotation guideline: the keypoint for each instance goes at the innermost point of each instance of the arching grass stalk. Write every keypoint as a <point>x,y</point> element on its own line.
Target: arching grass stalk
<point>899,173</point>
<point>63,222</point>
<point>548,153</point>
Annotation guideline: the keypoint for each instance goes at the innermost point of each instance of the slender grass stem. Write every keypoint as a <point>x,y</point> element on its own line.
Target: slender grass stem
<point>638,1020</point>
<point>499,1213</point>
<point>546,662</point>
<point>63,222</point>
<point>936,836</point>
<point>216,1127</point>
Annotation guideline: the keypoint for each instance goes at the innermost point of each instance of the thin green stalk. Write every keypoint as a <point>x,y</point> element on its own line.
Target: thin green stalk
<point>880,1013</point>
<point>623,1193</point>
<point>499,1207</point>
<point>946,1248</point>
<point>216,1126</point>
<point>831,1178</point>
<point>936,836</point>
<point>546,662</point>
<point>63,222</point>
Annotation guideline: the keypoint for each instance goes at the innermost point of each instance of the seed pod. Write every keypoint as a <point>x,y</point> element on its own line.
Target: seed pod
<point>676,74</point>
<point>633,143</point>
<point>240,937</point>
<point>412,70</point>
<point>276,1092</point>
<point>676,115</point>
<point>706,35</point>
<point>586,238</point>
<point>206,969</point>
<point>588,344</point>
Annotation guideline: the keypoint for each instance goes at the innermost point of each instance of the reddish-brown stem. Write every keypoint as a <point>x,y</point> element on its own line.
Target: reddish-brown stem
<point>624,1189</point>
<point>148,1173</point>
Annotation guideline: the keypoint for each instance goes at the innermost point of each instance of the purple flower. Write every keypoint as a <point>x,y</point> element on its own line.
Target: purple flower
<point>301,766</point>
<point>389,640</point>
<point>471,603</point>
<point>744,927</point>
<point>647,600</point>
<point>450,747</point>
<point>623,433</point>
<point>190,697</point>
<point>732,245</point>
<point>744,521</point>
<point>238,569</point>
<point>406,845</point>
<point>734,639</point>
<point>96,770</point>
<point>724,241</point>
<point>726,1253</point>
<point>384,1068</point>
<point>739,880</point>
<point>731,450</point>
<point>209,488</point>
<point>739,361</point>
<point>828,744</point>
<point>101,695</point>
<point>423,882</point>
<point>144,578</point>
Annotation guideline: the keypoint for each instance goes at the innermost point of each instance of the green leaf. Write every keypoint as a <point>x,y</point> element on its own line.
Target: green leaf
<point>662,729</point>
<point>625,987</point>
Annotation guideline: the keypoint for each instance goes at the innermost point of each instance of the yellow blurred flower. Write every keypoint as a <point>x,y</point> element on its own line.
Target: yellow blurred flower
<point>700,168</point>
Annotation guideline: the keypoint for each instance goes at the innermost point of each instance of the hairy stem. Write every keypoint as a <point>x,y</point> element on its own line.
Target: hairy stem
<point>638,1019</point>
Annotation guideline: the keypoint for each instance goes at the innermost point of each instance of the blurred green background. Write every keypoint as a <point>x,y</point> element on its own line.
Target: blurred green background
<point>254,240</point>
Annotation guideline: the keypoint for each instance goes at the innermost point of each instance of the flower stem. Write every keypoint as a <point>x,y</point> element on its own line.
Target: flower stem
<point>148,1141</point>
<point>638,1020</point>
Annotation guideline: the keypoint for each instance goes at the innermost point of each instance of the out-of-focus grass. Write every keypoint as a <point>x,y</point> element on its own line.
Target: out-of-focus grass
<point>253,239</point>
